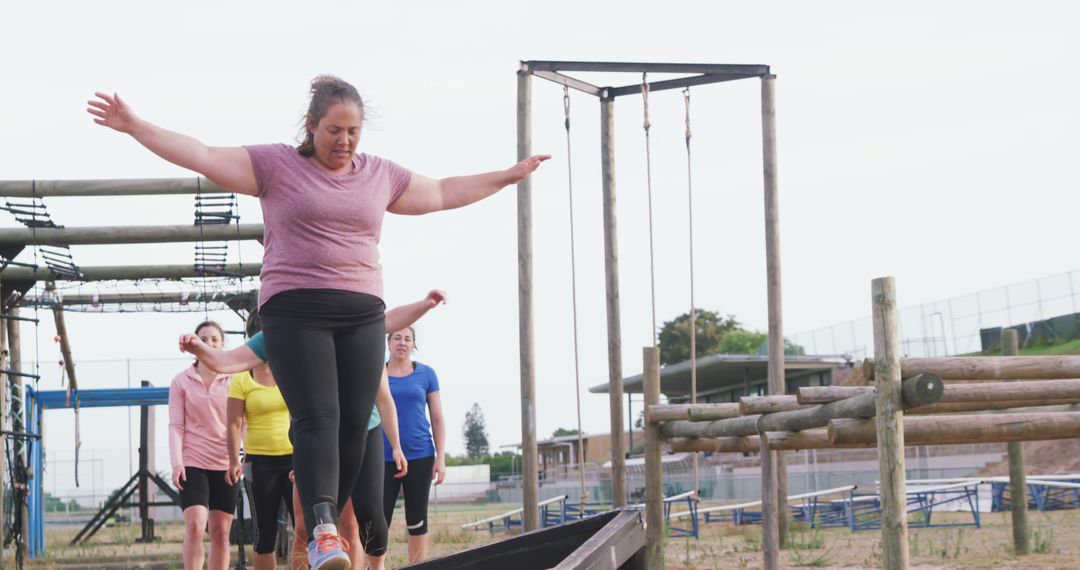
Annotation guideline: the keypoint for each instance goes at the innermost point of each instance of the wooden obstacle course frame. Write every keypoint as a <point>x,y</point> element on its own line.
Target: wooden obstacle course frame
<point>772,423</point>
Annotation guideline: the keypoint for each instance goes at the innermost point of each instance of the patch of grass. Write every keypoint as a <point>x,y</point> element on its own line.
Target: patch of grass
<point>1043,543</point>
<point>1042,348</point>
<point>751,541</point>
<point>803,544</point>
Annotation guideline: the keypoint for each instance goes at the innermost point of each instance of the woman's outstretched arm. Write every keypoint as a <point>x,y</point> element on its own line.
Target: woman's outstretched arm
<point>405,315</point>
<point>425,195</point>
<point>228,167</point>
<point>219,360</point>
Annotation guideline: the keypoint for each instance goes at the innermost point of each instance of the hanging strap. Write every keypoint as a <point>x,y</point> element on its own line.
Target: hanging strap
<point>573,297</point>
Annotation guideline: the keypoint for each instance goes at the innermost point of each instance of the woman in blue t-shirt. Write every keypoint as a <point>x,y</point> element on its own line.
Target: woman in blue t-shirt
<point>416,395</point>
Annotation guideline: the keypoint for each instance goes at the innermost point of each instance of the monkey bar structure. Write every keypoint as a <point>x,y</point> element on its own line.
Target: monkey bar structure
<point>215,220</point>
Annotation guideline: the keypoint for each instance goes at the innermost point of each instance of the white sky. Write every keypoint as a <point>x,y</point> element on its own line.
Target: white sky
<point>929,142</point>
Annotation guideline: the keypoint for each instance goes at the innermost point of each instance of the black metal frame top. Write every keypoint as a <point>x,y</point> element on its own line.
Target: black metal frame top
<point>705,73</point>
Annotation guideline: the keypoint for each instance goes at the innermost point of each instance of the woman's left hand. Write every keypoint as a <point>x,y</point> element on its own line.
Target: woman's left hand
<point>436,297</point>
<point>438,473</point>
<point>519,171</point>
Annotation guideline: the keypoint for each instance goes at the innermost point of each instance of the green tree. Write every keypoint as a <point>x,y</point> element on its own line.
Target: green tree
<point>793,349</point>
<point>504,463</point>
<point>564,431</point>
<point>475,433</point>
<point>711,328</point>
<point>742,342</point>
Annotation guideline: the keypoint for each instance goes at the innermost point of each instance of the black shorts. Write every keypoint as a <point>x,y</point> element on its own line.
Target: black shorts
<point>416,484</point>
<point>207,488</point>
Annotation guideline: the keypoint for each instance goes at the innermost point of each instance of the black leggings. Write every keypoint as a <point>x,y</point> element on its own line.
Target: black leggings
<point>269,484</point>
<point>416,484</point>
<point>326,350</point>
<point>367,496</point>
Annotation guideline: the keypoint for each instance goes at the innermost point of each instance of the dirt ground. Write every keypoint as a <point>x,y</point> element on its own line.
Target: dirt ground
<point>1056,541</point>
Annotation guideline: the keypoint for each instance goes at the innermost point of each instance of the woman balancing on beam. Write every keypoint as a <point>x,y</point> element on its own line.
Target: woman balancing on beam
<point>199,455</point>
<point>321,296</point>
<point>259,403</point>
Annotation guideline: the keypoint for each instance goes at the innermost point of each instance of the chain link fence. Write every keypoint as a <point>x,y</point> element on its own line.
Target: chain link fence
<point>953,326</point>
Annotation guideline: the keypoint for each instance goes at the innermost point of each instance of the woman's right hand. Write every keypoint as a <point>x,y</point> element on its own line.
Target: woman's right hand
<point>189,343</point>
<point>111,111</point>
<point>400,463</point>
<point>232,475</point>
<point>178,474</point>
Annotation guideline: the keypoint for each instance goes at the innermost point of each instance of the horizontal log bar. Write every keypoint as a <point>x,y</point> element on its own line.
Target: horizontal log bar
<point>1031,392</point>
<point>122,187</point>
<point>810,395</point>
<point>130,234</point>
<point>151,297</point>
<point>999,391</point>
<point>981,428</point>
<point>786,441</point>
<point>638,67</point>
<point>989,367</point>
<point>819,439</point>
<point>963,407</point>
<point>125,272</point>
<point>691,412</point>
<point>677,83</point>
<point>733,427</point>
<point>917,391</point>
<point>749,405</point>
<point>570,82</point>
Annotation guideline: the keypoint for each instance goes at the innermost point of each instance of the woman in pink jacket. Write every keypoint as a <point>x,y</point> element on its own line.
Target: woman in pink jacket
<point>198,451</point>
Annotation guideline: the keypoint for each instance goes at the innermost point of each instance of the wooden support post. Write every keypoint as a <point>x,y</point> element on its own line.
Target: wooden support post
<point>18,424</point>
<point>777,486</point>
<point>611,280</point>
<point>770,545</point>
<point>530,476</point>
<point>15,381</point>
<point>654,488</point>
<point>1021,532</point>
<point>890,425</point>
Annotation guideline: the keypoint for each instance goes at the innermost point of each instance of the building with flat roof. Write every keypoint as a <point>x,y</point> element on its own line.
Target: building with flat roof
<point>728,377</point>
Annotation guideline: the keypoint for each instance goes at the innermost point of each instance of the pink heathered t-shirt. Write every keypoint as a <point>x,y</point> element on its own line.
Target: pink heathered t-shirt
<point>321,231</point>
